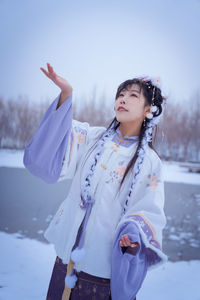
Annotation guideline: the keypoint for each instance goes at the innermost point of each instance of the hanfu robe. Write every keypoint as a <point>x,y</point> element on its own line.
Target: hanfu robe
<point>61,149</point>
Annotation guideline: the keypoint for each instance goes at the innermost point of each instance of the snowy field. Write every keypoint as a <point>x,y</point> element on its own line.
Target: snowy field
<point>25,275</point>
<point>172,171</point>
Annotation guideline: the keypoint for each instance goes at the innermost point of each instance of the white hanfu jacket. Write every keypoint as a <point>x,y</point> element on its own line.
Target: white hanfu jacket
<point>146,208</point>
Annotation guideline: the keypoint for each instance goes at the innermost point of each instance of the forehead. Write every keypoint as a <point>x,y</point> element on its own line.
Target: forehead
<point>132,88</point>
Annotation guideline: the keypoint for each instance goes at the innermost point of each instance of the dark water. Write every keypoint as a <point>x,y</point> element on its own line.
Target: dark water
<point>27,205</point>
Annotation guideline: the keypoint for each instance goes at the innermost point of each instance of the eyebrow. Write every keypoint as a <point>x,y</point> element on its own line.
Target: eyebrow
<point>131,91</point>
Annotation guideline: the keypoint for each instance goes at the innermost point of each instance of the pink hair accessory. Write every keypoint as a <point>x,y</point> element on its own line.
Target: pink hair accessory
<point>155,80</point>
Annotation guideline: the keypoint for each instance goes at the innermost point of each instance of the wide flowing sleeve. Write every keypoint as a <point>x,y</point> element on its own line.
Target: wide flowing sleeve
<point>147,211</point>
<point>54,151</point>
<point>128,270</point>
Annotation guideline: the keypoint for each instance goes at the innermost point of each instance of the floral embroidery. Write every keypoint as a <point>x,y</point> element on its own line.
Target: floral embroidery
<point>117,145</point>
<point>150,180</point>
<point>117,173</point>
<point>81,134</point>
<point>80,138</point>
<point>154,181</point>
<point>115,149</point>
<point>103,166</point>
<point>121,170</point>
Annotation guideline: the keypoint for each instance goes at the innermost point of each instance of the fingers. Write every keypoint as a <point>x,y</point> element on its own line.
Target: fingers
<point>50,70</point>
<point>45,72</point>
<point>125,242</point>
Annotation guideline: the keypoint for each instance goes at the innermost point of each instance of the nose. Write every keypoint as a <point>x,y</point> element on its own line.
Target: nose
<point>122,100</point>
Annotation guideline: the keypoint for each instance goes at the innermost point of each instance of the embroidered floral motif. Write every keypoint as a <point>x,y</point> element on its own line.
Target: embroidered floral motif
<point>117,145</point>
<point>80,138</point>
<point>154,181</point>
<point>150,180</point>
<point>117,173</point>
<point>115,149</point>
<point>81,134</point>
<point>103,166</point>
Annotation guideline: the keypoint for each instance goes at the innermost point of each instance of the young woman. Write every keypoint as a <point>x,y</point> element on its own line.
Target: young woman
<point>107,233</point>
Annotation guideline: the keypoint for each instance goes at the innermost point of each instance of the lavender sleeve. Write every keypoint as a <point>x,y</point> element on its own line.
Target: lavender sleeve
<point>43,155</point>
<point>129,267</point>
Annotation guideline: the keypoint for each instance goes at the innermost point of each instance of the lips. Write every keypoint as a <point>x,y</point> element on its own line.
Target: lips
<point>121,108</point>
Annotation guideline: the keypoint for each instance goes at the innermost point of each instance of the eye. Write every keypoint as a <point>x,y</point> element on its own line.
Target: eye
<point>121,94</point>
<point>134,95</point>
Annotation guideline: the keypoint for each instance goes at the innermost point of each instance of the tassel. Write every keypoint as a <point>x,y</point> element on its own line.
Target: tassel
<point>78,254</point>
<point>70,280</point>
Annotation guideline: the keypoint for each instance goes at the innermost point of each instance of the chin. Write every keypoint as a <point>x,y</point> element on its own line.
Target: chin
<point>121,119</point>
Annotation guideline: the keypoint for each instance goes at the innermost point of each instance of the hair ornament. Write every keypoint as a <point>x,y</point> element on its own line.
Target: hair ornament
<point>155,81</point>
<point>154,108</point>
<point>149,116</point>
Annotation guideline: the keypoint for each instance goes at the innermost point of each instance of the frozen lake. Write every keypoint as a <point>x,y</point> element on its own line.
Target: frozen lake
<point>28,204</point>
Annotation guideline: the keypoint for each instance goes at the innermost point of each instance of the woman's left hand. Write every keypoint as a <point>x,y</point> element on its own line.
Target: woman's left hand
<point>125,242</point>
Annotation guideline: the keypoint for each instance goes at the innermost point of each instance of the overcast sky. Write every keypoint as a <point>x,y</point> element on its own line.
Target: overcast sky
<point>99,43</point>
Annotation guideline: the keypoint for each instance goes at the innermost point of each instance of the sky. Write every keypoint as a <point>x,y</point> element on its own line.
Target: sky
<point>98,44</point>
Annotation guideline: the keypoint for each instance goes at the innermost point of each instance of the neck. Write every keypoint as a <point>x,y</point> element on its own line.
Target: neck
<point>130,129</point>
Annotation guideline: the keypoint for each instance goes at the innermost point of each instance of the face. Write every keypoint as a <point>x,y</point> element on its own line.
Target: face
<point>133,102</point>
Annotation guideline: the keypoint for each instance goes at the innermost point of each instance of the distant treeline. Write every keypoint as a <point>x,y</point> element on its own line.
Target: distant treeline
<point>177,135</point>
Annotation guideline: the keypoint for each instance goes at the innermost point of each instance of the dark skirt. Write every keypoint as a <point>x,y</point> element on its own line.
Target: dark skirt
<point>88,287</point>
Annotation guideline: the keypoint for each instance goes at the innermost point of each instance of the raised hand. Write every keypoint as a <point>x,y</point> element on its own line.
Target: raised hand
<point>62,83</point>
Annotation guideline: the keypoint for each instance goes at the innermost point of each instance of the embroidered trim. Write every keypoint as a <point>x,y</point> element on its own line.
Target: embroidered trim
<point>125,141</point>
<point>147,228</point>
<point>72,141</point>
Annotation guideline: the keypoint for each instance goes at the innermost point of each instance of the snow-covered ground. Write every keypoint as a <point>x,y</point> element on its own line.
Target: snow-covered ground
<point>173,172</point>
<point>26,266</point>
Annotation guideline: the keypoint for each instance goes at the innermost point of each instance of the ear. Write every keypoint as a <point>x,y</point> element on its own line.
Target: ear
<point>147,110</point>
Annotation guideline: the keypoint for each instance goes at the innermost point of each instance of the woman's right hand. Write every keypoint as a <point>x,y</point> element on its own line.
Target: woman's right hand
<point>62,83</point>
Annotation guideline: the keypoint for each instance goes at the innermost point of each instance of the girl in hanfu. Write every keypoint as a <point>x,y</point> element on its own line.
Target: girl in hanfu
<point>107,233</point>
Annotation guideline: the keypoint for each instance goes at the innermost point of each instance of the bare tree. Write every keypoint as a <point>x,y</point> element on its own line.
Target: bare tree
<point>177,135</point>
